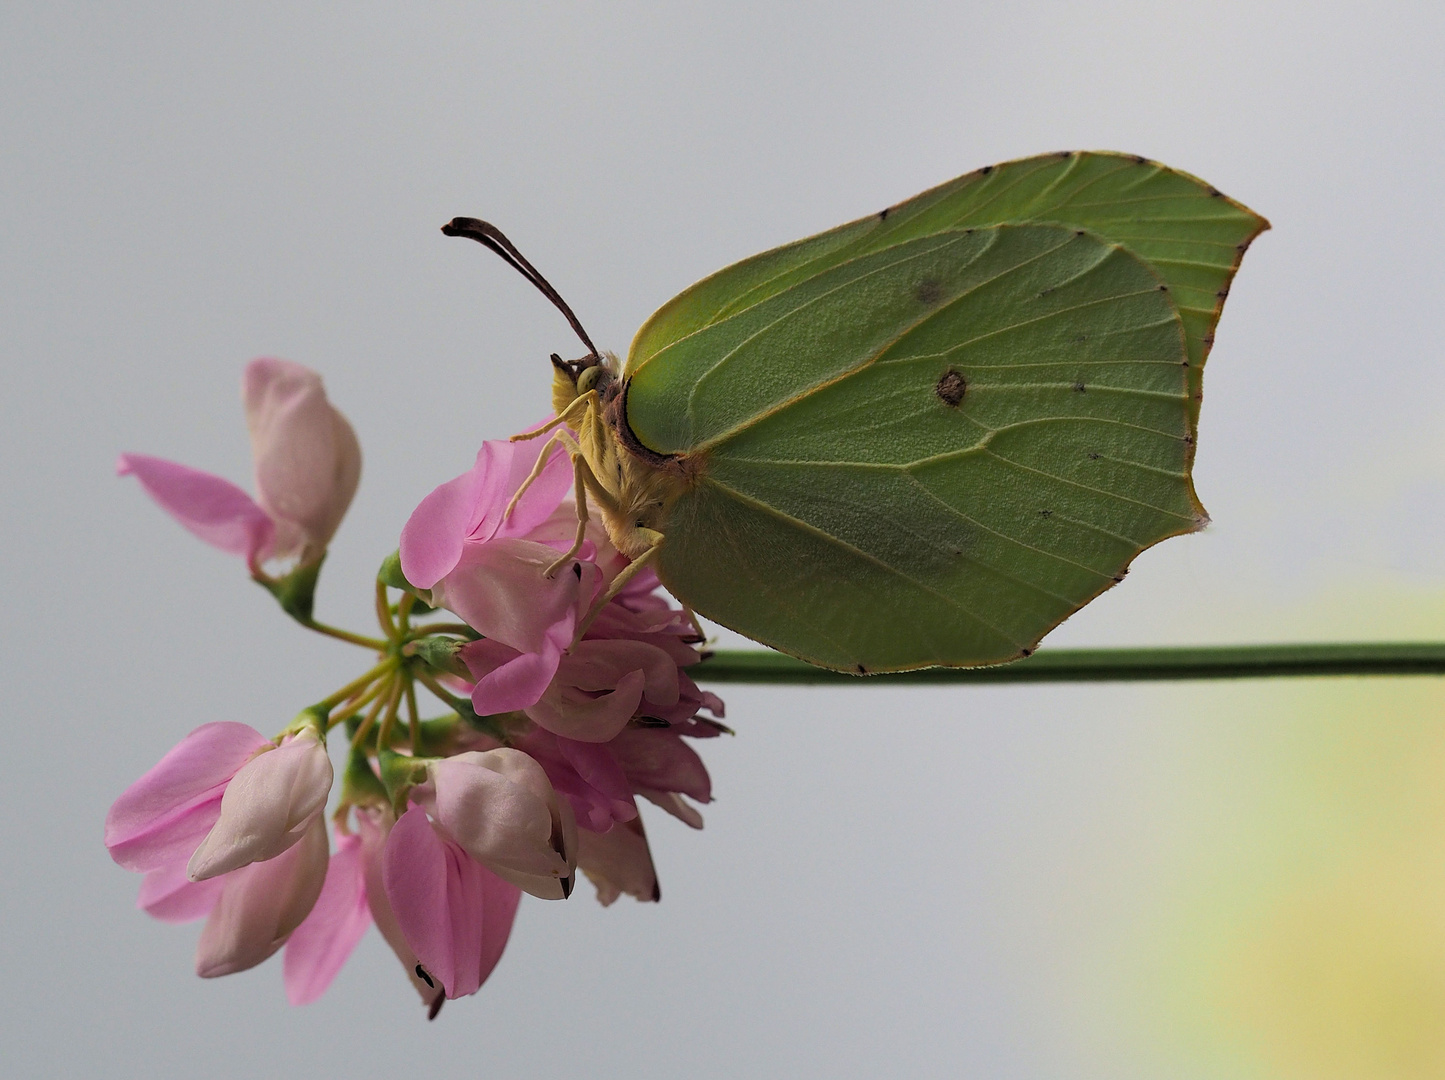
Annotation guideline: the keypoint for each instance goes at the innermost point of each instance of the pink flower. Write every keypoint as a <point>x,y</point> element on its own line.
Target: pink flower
<point>629,664</point>
<point>157,824</point>
<point>662,768</point>
<point>268,805</point>
<point>500,808</point>
<point>160,820</point>
<point>350,901</point>
<point>490,567</point>
<point>586,775</point>
<point>454,913</point>
<point>307,463</point>
<point>261,904</point>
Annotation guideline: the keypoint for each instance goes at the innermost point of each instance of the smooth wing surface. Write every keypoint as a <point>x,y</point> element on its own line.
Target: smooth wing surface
<point>1191,235</point>
<point>928,452</point>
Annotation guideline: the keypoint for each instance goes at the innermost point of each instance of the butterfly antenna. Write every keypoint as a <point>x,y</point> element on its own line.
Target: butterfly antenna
<point>491,237</point>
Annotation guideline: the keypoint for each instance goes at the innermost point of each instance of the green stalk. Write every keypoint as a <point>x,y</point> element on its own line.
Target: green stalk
<point>1105,665</point>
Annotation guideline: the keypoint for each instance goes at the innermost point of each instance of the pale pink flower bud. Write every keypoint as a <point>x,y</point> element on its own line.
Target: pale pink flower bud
<point>499,806</point>
<point>261,905</point>
<point>307,464</point>
<point>268,806</point>
<point>308,461</point>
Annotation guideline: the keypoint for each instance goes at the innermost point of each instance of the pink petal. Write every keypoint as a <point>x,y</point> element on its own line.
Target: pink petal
<point>661,761</point>
<point>675,805</point>
<point>432,539</point>
<point>539,501</point>
<point>598,665</point>
<point>214,509</point>
<point>167,894</point>
<point>375,827</point>
<point>166,813</point>
<point>574,714</point>
<point>470,508</point>
<point>619,861</point>
<point>443,900</point>
<point>321,944</point>
<point>499,806</point>
<point>500,899</point>
<point>261,904</point>
<point>501,589</point>
<point>267,806</point>
<point>595,766</point>
<point>507,679</point>
<point>308,461</point>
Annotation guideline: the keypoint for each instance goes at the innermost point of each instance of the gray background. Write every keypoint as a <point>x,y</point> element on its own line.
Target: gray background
<point>923,881</point>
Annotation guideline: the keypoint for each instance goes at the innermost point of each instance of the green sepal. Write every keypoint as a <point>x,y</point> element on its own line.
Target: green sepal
<point>399,774</point>
<point>359,784</point>
<point>313,716</point>
<point>438,736</point>
<point>440,653</point>
<point>296,592</point>
<point>391,576</point>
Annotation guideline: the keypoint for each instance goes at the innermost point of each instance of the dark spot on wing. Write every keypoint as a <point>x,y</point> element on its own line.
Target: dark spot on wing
<point>1026,653</point>
<point>985,170</point>
<point>1080,388</point>
<point>883,214</point>
<point>950,388</point>
<point>862,670</point>
<point>1094,455</point>
<point>929,292</point>
<point>1046,513</point>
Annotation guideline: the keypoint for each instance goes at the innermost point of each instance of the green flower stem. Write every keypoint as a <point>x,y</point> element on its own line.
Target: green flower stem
<point>357,702</point>
<point>383,613</point>
<point>1104,665</point>
<point>358,741</point>
<point>360,683</point>
<point>344,635</point>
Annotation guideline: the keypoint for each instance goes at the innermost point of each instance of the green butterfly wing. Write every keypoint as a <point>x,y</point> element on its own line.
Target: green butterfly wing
<point>929,436</point>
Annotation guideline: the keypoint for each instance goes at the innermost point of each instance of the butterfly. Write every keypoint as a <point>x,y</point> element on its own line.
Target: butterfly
<point>925,437</point>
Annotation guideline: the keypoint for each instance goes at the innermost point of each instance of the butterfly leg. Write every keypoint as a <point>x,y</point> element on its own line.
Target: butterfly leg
<point>579,474</point>
<point>563,439</point>
<point>654,545</point>
<point>579,407</point>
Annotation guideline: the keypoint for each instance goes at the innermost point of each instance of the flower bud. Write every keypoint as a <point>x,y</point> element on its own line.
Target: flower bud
<point>499,806</point>
<point>268,806</point>
<point>261,904</point>
<point>308,461</point>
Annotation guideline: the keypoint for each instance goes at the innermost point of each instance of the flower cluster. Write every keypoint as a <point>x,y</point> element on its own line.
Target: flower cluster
<point>567,698</point>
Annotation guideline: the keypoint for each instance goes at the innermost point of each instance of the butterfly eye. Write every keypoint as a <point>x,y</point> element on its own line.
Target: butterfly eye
<point>595,377</point>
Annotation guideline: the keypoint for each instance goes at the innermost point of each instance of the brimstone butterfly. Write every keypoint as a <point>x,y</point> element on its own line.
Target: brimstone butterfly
<point>925,437</point>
